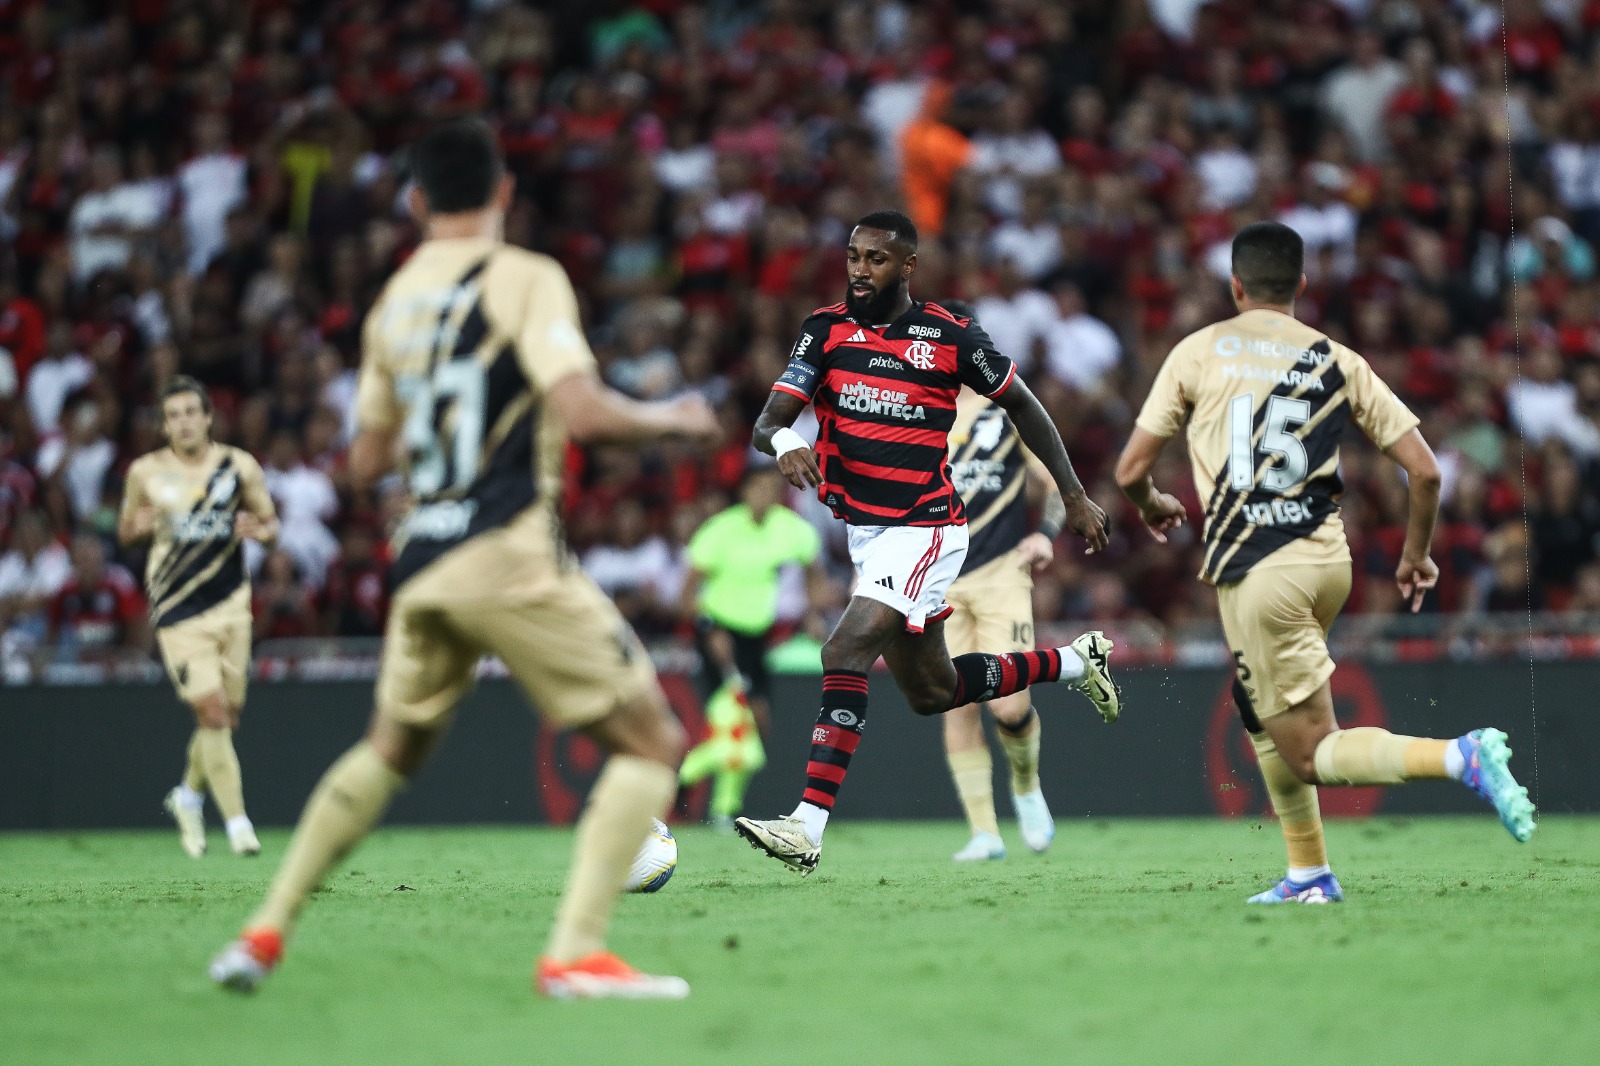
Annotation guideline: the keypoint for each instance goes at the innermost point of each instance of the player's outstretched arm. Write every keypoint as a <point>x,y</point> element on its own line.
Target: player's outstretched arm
<point>796,459</point>
<point>1160,511</point>
<point>1084,516</point>
<point>1417,572</point>
<point>595,413</point>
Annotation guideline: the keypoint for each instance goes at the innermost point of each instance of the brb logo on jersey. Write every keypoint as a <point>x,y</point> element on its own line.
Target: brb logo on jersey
<point>920,354</point>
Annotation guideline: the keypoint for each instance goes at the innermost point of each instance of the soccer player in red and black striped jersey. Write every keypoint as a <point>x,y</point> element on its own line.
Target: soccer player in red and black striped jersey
<point>883,371</point>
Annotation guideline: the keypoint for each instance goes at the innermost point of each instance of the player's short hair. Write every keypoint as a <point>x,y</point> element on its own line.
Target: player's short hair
<point>895,223</point>
<point>180,384</point>
<point>960,308</point>
<point>1268,259</point>
<point>458,165</point>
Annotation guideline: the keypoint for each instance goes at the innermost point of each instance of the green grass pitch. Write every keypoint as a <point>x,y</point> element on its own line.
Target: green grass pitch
<point>1129,943</point>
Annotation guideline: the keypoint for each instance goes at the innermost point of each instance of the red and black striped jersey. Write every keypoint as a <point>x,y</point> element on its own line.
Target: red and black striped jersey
<point>886,400</point>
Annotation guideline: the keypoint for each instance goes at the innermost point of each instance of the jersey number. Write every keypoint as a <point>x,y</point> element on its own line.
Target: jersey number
<point>1284,415</point>
<point>444,426</point>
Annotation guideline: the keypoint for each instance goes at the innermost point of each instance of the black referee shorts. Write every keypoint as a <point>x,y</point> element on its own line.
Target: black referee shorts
<point>749,657</point>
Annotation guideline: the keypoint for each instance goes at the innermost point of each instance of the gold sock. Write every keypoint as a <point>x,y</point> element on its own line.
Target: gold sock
<point>194,775</point>
<point>973,771</point>
<point>221,766</point>
<point>1295,804</point>
<point>343,808</point>
<point>1369,756</point>
<point>631,791</point>
<point>1023,754</point>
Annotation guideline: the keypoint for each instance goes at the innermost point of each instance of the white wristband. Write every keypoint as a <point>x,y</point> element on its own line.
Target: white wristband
<point>787,440</point>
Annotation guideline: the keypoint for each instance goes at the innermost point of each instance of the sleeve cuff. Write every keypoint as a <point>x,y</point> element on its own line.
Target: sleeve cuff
<point>1006,384</point>
<point>779,386</point>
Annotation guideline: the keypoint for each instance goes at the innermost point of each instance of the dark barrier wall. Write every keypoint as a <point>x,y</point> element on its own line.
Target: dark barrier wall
<point>104,756</point>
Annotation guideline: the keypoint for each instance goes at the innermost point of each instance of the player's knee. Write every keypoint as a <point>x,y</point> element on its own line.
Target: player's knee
<point>929,699</point>
<point>212,712</point>
<point>1303,764</point>
<point>844,653</point>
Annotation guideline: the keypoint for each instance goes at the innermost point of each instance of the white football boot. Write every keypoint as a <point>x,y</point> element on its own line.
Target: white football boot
<point>191,823</point>
<point>983,847</point>
<point>242,836</point>
<point>1095,648</point>
<point>1033,819</point>
<point>785,839</point>
<point>604,976</point>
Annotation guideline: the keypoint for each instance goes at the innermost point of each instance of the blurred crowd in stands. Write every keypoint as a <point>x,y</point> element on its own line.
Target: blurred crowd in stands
<point>214,188</point>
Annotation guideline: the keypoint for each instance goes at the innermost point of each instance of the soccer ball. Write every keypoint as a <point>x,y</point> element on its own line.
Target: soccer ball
<point>653,866</point>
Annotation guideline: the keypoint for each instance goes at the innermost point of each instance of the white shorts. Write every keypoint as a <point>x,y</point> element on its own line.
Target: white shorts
<point>908,567</point>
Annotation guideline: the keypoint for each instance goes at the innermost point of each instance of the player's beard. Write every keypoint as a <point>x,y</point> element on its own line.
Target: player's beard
<point>875,309</point>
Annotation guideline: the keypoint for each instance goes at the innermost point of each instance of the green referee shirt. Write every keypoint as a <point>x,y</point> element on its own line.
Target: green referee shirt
<point>741,559</point>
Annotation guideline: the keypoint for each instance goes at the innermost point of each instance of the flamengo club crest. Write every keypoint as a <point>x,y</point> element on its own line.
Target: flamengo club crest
<point>920,355</point>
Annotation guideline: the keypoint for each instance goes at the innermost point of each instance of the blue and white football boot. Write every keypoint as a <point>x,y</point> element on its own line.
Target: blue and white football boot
<point>1324,889</point>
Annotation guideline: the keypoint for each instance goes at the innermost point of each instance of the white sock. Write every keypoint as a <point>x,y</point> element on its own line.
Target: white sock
<point>1301,874</point>
<point>1072,664</point>
<point>189,799</point>
<point>239,824</point>
<point>816,818</point>
<point>1455,763</point>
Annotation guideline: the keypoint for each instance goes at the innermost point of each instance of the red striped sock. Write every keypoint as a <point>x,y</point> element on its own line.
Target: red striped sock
<point>836,735</point>
<point>981,676</point>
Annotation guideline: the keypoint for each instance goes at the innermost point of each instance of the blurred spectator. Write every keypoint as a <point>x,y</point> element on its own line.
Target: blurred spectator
<point>1357,94</point>
<point>1017,318</point>
<point>306,504</point>
<point>80,457</point>
<point>281,602</point>
<point>1544,404</point>
<point>31,573</point>
<point>355,597</point>
<point>98,612</point>
<point>60,371</point>
<point>212,183</point>
<point>1566,524</point>
<point>1080,350</point>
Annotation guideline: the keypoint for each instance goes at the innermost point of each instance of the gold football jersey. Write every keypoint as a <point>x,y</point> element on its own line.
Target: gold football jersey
<point>195,560</point>
<point>1267,399</point>
<point>456,356</point>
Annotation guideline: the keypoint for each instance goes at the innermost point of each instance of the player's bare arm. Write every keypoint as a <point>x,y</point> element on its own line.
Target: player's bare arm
<point>1417,572</point>
<point>137,521</point>
<point>1160,511</point>
<point>1035,551</point>
<point>257,518</point>
<point>595,413</point>
<point>799,464</point>
<point>1083,516</point>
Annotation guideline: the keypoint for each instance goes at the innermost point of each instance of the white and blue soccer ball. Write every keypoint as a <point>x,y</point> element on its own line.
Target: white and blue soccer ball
<point>653,866</point>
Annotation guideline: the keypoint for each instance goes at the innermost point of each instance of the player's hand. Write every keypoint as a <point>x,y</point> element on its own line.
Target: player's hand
<point>1162,513</point>
<point>800,467</point>
<point>1414,578</point>
<point>248,526</point>
<point>1085,518</point>
<point>142,521</point>
<point>1036,551</point>
<point>695,419</point>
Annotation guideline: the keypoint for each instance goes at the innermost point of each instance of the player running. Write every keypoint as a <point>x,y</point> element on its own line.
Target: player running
<point>197,501</point>
<point>473,360</point>
<point>1267,400</point>
<point>884,371</point>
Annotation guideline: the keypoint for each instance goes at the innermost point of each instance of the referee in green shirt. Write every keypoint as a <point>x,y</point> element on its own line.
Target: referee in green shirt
<point>735,559</point>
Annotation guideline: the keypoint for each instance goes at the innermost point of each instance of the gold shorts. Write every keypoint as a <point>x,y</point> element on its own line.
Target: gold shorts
<point>993,608</point>
<point>1276,619</point>
<point>512,593</point>
<point>211,651</point>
